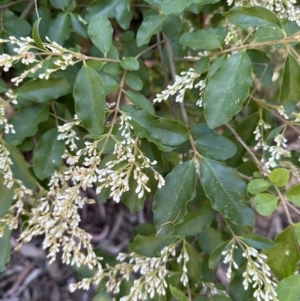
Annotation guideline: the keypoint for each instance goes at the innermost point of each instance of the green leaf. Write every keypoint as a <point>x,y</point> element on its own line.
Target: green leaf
<point>176,293</point>
<point>14,26</point>
<point>100,31</point>
<point>261,66</point>
<point>59,29</point>
<point>169,205</point>
<point>269,33</point>
<point>265,203</point>
<point>245,17</point>
<point>226,190</point>
<point>168,132</point>
<point>195,222</point>
<point>257,241</point>
<point>26,122</point>
<point>79,25</point>
<point>294,195</point>
<point>102,296</point>
<point>36,35</point>
<point>5,245</point>
<point>216,258</point>
<point>290,88</point>
<point>288,289</point>
<point>216,147</point>
<point>174,6</point>
<point>140,121</point>
<point>283,258</point>
<point>279,177</point>
<point>233,79</point>
<point>48,154</point>
<point>140,101</point>
<point>90,101</point>
<point>200,40</point>
<point>118,9</point>
<point>59,4</point>
<point>134,82</point>
<point>194,264</point>
<point>258,185</point>
<point>130,63</point>
<point>41,90</point>
<point>150,246</point>
<point>20,168</point>
<point>215,66</point>
<point>209,240</point>
<point>150,26</point>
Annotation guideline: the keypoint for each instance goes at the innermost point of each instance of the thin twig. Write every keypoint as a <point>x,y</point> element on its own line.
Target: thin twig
<point>162,60</point>
<point>26,11</point>
<point>3,7</point>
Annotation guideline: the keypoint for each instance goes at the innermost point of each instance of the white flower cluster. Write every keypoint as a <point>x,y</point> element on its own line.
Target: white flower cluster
<point>277,151</point>
<point>68,133</point>
<point>259,130</point>
<point>182,82</point>
<point>129,160</point>
<point>284,9</point>
<point>4,105</point>
<point>153,272</point>
<point>209,289</point>
<point>24,55</point>
<point>20,191</point>
<point>232,35</point>
<point>257,273</point>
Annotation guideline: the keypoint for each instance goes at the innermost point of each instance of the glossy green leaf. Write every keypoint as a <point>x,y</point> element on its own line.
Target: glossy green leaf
<point>150,26</point>
<point>194,264</point>
<point>168,132</point>
<point>268,33</point>
<point>59,29</point>
<point>174,6</point>
<point>258,185</point>
<point>118,9</point>
<point>100,31</point>
<point>169,205</point>
<point>261,66</point>
<point>42,90</point>
<point>294,195</point>
<point>226,191</point>
<point>130,63</point>
<point>172,27</point>
<point>257,241</point>
<point>90,101</point>
<point>140,101</point>
<point>150,245</point>
<point>47,156</point>
<point>102,296</point>
<point>283,258</point>
<point>36,34</point>
<point>176,293</point>
<point>279,177</point>
<point>140,121</point>
<point>265,203</point>
<point>5,245</point>
<point>20,168</point>
<point>216,147</point>
<point>200,40</point>
<point>134,82</point>
<point>290,89</point>
<point>215,66</point>
<point>15,26</point>
<point>246,17</point>
<point>210,239</point>
<point>79,25</point>
<point>289,289</point>
<point>59,4</point>
<point>195,222</point>
<point>233,79</point>
<point>26,122</point>
<point>216,258</point>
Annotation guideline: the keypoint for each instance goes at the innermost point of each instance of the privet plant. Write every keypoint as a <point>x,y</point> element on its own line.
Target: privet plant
<point>192,104</point>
